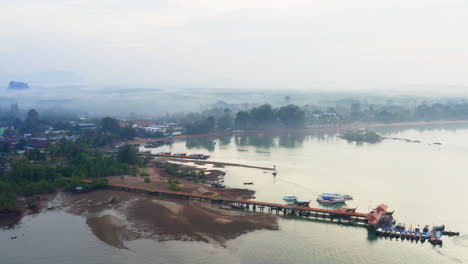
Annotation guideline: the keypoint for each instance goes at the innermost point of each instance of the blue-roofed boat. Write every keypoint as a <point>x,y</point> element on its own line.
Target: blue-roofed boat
<point>330,200</point>
<point>335,196</point>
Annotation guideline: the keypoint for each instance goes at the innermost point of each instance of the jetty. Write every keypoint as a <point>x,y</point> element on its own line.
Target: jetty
<point>380,219</point>
<point>255,206</point>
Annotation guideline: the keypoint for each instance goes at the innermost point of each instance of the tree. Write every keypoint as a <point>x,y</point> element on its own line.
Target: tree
<point>263,116</point>
<point>242,120</point>
<point>31,123</point>
<point>292,116</point>
<point>128,154</point>
<point>225,122</point>
<point>331,110</point>
<point>128,133</point>
<point>5,147</point>
<point>111,125</point>
<point>201,126</point>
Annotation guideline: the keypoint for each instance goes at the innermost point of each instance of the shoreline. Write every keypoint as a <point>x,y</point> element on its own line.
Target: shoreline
<point>116,216</point>
<point>308,129</point>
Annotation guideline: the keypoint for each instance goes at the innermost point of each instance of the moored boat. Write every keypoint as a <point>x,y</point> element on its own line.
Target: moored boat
<point>335,196</point>
<point>331,201</point>
<point>302,203</point>
<point>423,238</point>
<point>289,198</point>
<point>237,206</point>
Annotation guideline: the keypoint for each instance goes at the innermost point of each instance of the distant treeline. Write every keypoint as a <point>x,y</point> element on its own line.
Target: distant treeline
<point>293,116</point>
<point>262,117</point>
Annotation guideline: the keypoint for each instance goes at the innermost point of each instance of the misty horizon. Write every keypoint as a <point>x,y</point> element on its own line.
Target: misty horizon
<point>247,44</point>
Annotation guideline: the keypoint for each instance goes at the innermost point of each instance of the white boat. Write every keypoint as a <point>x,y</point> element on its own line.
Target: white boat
<point>335,196</point>
<point>290,198</point>
<point>331,201</point>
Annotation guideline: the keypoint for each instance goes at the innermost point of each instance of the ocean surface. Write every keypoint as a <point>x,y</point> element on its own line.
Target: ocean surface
<point>425,183</point>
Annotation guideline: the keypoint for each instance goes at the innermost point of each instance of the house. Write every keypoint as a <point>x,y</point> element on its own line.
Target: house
<point>381,209</point>
<point>373,218</point>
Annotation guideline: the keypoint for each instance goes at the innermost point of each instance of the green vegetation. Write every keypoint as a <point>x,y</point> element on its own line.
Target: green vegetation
<point>174,185</point>
<point>66,164</point>
<point>362,136</point>
<point>129,155</point>
<point>176,171</point>
<point>200,127</point>
<point>147,180</point>
<point>262,117</point>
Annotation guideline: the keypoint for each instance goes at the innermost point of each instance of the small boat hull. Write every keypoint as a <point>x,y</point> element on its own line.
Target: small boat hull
<point>330,201</point>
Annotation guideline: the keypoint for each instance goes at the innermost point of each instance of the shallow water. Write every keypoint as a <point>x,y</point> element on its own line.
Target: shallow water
<point>424,183</point>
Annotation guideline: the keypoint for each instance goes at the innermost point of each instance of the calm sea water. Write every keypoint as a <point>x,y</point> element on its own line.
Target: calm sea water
<point>423,182</point>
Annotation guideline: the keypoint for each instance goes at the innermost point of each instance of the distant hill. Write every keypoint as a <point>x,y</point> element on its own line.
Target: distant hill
<point>18,85</point>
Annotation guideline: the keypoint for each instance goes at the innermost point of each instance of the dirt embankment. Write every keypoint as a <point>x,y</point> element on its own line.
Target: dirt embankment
<point>117,216</point>
<point>159,179</point>
<point>41,202</point>
<point>217,164</point>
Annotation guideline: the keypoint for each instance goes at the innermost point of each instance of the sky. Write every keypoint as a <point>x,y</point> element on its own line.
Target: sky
<point>242,43</point>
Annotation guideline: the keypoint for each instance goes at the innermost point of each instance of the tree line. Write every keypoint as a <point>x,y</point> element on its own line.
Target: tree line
<point>262,117</point>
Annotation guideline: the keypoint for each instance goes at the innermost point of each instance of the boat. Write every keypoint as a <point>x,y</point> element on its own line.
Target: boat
<point>346,222</point>
<point>392,234</point>
<point>289,198</point>
<point>397,235</point>
<point>417,237</point>
<point>248,183</point>
<point>346,209</point>
<point>423,238</point>
<point>302,203</point>
<point>336,196</point>
<point>331,200</point>
<point>237,206</point>
<point>387,233</point>
<point>378,231</point>
<point>182,155</point>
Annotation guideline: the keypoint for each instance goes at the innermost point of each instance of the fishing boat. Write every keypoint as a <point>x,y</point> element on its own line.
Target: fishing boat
<point>248,183</point>
<point>237,206</point>
<point>346,222</point>
<point>336,196</point>
<point>302,203</point>
<point>289,198</point>
<point>423,238</point>
<point>330,200</point>
<point>378,231</point>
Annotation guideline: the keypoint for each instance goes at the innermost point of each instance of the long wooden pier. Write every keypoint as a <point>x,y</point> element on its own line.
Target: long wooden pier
<point>308,212</point>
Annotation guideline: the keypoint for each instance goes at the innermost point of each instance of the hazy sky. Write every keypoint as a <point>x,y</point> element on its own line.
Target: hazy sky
<point>245,43</point>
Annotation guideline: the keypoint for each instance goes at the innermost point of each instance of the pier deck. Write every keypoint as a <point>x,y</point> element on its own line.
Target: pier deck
<point>271,207</point>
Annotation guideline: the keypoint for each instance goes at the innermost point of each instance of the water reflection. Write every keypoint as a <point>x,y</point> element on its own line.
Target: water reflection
<point>371,235</point>
<point>226,140</point>
<point>202,142</point>
<point>424,128</point>
<point>291,140</point>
